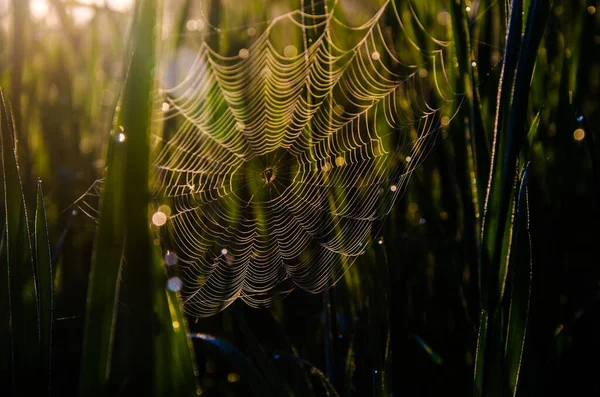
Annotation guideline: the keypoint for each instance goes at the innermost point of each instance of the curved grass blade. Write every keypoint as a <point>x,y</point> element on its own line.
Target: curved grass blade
<point>528,143</point>
<point>495,232</point>
<point>247,371</point>
<point>520,298</point>
<point>23,314</point>
<point>45,283</point>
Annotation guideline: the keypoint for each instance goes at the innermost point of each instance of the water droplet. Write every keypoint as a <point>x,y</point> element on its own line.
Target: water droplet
<point>339,161</point>
<point>579,134</point>
<point>170,258</point>
<point>191,25</point>
<point>443,18</point>
<point>175,324</point>
<point>74,212</point>
<point>243,53</point>
<point>290,51</point>
<point>474,64</point>
<point>165,106</point>
<point>251,31</point>
<point>165,209</point>
<point>224,251</point>
<point>375,55</point>
<point>159,218</point>
<point>174,284</point>
<point>276,356</point>
<point>194,25</point>
<point>468,9</point>
<point>393,188</point>
<point>422,221</point>
<point>375,372</point>
<point>408,158</point>
<point>233,377</point>
<point>580,117</point>
<point>240,126</point>
<point>423,73</point>
<point>120,137</point>
<point>380,241</point>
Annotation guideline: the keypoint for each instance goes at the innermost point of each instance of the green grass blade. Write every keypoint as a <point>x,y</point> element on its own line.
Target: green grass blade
<point>135,122</point>
<point>531,138</point>
<point>521,289</point>
<point>174,362</point>
<point>480,354</point>
<point>22,295</point>
<point>123,215</point>
<point>495,236</point>
<point>45,284</point>
<point>104,275</point>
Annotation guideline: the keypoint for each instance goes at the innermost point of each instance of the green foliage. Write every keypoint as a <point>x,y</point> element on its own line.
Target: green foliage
<point>486,268</point>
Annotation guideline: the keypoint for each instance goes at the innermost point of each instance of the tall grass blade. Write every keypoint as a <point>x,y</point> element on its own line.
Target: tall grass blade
<point>496,218</point>
<point>520,297</point>
<point>45,283</point>
<point>137,270</point>
<point>104,275</point>
<point>174,362</point>
<point>23,315</point>
<point>123,215</point>
<point>498,227</point>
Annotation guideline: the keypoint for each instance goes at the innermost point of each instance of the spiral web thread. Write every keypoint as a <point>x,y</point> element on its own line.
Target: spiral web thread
<point>286,156</point>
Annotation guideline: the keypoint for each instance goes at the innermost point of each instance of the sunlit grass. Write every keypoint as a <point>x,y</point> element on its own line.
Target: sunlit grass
<point>487,278</point>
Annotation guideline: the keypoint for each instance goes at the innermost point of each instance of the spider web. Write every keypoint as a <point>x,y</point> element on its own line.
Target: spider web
<point>287,154</point>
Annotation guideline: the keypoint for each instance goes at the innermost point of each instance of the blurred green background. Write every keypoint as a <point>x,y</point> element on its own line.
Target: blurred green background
<point>62,68</point>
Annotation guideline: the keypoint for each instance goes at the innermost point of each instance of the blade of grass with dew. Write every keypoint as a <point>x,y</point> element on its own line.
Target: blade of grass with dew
<point>123,214</point>
<point>477,158</point>
<point>498,204</point>
<point>23,314</point>
<point>497,232</point>
<point>520,296</point>
<point>45,284</point>
<point>174,362</point>
<point>248,372</point>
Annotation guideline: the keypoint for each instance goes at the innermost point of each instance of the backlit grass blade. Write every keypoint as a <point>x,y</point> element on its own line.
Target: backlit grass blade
<point>495,238</point>
<point>23,314</point>
<point>498,226</point>
<point>123,216</point>
<point>520,289</point>
<point>531,138</point>
<point>44,273</point>
<point>104,275</point>
<point>174,362</point>
<point>135,122</point>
